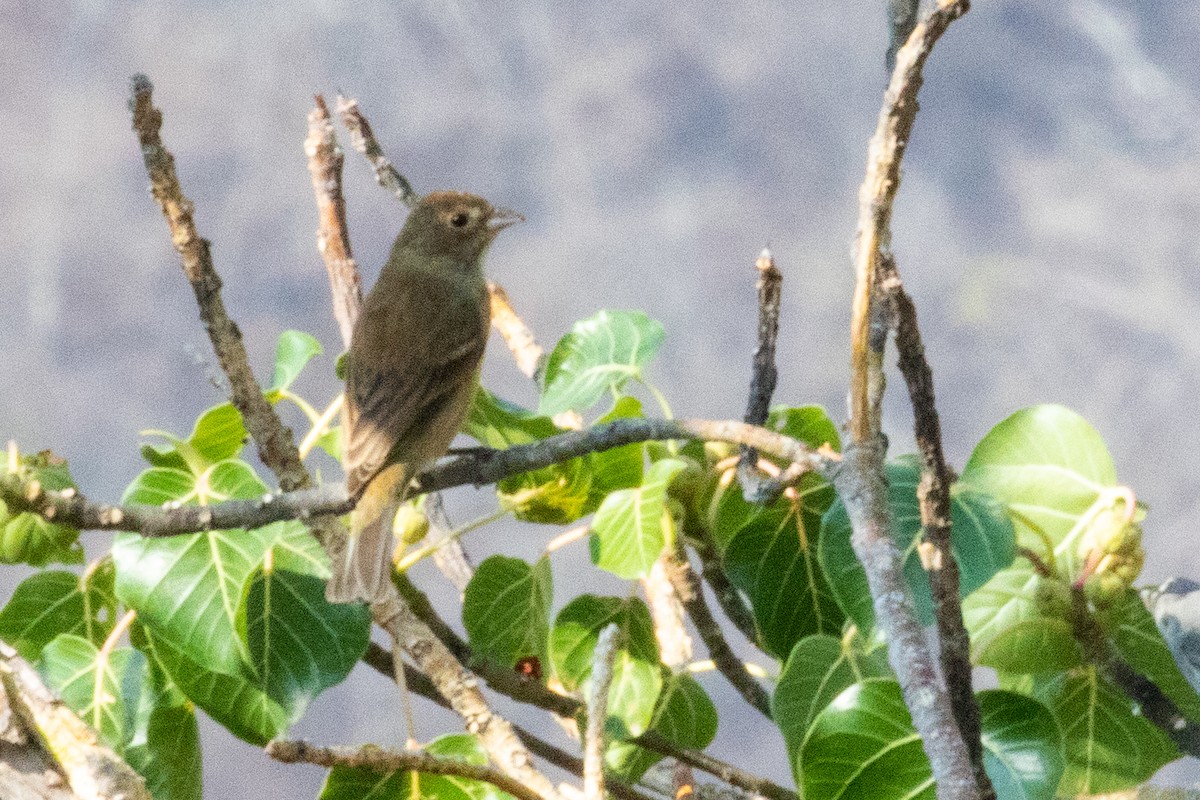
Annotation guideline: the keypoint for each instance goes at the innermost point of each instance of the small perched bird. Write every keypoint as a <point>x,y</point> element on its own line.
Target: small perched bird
<point>1176,609</point>
<point>411,373</point>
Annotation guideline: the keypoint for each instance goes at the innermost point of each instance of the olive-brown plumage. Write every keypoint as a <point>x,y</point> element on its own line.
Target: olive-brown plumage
<point>412,371</point>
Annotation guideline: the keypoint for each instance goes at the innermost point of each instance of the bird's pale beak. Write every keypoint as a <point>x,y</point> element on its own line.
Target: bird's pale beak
<point>502,218</point>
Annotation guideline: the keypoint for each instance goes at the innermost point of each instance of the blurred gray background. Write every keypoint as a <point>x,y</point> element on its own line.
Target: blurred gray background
<point>1047,225</point>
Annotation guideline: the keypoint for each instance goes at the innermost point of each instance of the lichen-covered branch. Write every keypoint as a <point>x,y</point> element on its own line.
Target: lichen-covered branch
<point>516,334</point>
<point>597,712</point>
<point>764,374</point>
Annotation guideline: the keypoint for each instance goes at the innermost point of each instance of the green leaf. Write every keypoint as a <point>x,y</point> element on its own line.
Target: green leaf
<point>28,538</point>
<point>294,351</point>
<point>1109,748</point>
<point>1022,746</point>
<point>1049,467</point>
<point>167,753</point>
<point>1137,638</point>
<point>231,700</point>
<point>1020,623</point>
<point>863,745</point>
<point>819,668</point>
<point>600,354</point>
<point>620,467</point>
<point>773,560</point>
<point>684,716</point>
<point>632,526</point>
<point>356,783</point>
<point>554,495</point>
<point>218,435</point>
<point>637,675</point>
<point>100,687</point>
<point>982,539</point>
<point>506,609</point>
<point>51,603</point>
<point>299,644</point>
<point>188,589</point>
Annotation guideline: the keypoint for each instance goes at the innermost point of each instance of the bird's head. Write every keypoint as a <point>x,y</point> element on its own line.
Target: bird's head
<point>456,225</point>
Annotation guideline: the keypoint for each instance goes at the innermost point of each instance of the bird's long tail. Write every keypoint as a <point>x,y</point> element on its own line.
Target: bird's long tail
<point>363,569</point>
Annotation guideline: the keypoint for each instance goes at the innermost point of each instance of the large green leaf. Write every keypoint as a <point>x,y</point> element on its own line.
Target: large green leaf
<point>810,424</point>
<point>218,435</point>
<point>554,495</point>
<point>819,668</point>
<point>982,539</point>
<point>1051,469</point>
<point>231,699</point>
<point>100,686</point>
<point>685,716</point>
<point>632,526</point>
<point>28,538</point>
<point>773,560</point>
<point>167,753</point>
<point>299,644</point>
<point>863,745</point>
<point>637,674</point>
<point>355,783</point>
<point>506,609</point>
<point>49,603</point>
<point>600,354</point>
<point>1022,746</point>
<point>1109,747</point>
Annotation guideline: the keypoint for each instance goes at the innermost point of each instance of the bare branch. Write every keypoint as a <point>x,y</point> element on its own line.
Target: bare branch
<point>597,712</point>
<point>362,139</point>
<point>274,440</point>
<point>934,495</point>
<point>714,575</point>
<point>875,198</point>
<point>378,759</point>
<point>667,612</point>
<point>902,18</point>
<point>325,161</point>
<point>862,484</point>
<point>764,375</point>
<point>688,587</point>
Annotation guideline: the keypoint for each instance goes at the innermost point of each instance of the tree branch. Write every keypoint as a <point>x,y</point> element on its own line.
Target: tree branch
<point>688,587</point>
<point>325,161</point>
<point>597,712</point>
<point>378,759</point>
<point>274,440</point>
<point>934,494</point>
<point>521,343</point>
<point>764,374</point>
<point>862,484</point>
<point>362,139</point>
<point>478,467</point>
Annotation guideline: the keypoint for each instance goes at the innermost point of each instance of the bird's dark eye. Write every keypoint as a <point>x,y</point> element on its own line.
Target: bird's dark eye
<point>460,220</point>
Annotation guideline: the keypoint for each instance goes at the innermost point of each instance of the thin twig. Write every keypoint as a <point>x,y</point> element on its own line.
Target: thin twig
<point>516,334</point>
<point>934,494</point>
<point>728,597</point>
<point>764,375</point>
<point>597,712</point>
<point>325,161</point>
<point>378,759</point>
<point>362,139</point>
<point>902,18</point>
<point>688,587</point>
<point>274,440</point>
<point>667,612</point>
<point>862,484</point>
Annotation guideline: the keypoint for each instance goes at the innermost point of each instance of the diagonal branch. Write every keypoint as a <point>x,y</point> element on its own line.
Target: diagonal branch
<point>275,443</point>
<point>362,139</point>
<point>765,374</point>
